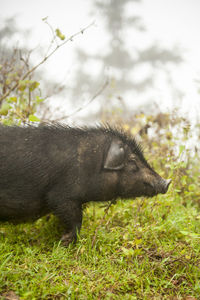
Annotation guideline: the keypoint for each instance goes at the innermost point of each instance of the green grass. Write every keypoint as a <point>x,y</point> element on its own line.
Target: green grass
<point>141,249</point>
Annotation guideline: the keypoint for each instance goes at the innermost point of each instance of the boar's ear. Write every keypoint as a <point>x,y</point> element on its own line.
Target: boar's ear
<point>115,157</point>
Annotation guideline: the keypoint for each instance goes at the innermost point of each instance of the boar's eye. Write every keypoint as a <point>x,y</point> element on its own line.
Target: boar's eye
<point>115,157</point>
<point>134,166</point>
<point>132,162</point>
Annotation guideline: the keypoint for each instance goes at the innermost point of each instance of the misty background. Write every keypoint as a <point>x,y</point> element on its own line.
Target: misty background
<point>137,56</point>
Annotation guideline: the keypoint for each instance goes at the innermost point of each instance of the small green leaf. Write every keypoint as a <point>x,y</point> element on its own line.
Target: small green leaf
<point>59,34</point>
<point>181,149</point>
<point>138,241</point>
<point>190,234</point>
<point>44,19</point>
<point>22,85</point>
<point>128,252</point>
<point>33,85</point>
<point>33,118</point>
<point>39,100</point>
<point>8,81</point>
<point>4,109</point>
<point>192,187</point>
<point>13,99</point>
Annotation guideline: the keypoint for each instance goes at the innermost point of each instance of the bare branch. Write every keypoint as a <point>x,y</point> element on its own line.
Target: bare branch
<point>26,62</point>
<point>43,60</point>
<point>53,34</point>
<point>87,103</point>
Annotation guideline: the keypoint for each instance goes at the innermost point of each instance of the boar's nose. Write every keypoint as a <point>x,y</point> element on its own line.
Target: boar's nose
<point>165,185</point>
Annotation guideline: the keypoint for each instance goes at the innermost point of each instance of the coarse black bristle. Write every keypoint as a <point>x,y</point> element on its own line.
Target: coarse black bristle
<point>115,131</point>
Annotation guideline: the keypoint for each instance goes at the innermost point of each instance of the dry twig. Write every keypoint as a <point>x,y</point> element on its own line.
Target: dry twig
<point>42,61</point>
<point>87,103</point>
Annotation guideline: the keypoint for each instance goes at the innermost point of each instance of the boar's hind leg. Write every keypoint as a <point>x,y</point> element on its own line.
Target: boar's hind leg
<point>70,214</point>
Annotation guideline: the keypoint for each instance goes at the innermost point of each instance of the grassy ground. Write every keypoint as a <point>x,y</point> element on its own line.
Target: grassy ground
<point>139,249</point>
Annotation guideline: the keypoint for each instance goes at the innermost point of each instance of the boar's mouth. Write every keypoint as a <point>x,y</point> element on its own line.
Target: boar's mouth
<point>149,189</point>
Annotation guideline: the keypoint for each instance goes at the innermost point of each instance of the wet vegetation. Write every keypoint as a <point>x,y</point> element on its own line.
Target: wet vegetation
<point>146,248</point>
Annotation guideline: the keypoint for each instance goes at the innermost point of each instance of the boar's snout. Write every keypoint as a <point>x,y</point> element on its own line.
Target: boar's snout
<point>157,186</point>
<point>163,185</point>
<point>167,183</point>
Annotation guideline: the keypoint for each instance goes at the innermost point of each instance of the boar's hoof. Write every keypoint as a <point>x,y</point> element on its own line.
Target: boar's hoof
<point>67,239</point>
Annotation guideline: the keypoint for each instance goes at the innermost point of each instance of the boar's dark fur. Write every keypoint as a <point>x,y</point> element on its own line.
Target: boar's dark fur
<point>56,168</point>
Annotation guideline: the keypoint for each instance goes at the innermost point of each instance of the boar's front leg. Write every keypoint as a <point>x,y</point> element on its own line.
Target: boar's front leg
<point>69,211</point>
<point>72,220</point>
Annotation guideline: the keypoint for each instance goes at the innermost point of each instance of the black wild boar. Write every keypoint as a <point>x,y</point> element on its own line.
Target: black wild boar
<point>56,168</point>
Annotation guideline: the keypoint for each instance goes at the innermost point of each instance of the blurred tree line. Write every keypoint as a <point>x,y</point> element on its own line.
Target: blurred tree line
<point>123,59</point>
<point>119,64</point>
